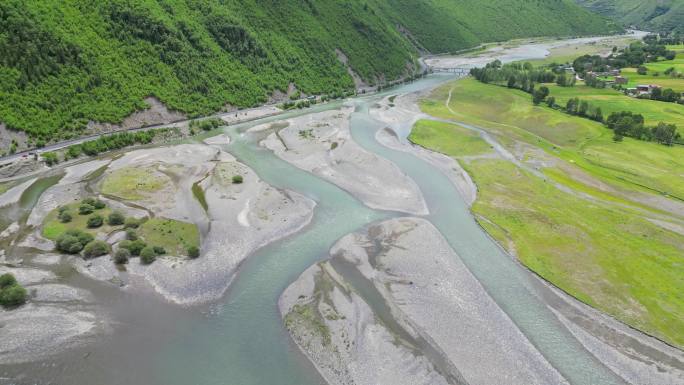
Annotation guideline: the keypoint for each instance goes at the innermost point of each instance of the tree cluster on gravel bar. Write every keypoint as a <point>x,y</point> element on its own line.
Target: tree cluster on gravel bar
<point>12,294</point>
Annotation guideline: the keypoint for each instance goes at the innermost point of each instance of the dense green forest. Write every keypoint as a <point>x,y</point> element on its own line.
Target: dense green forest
<point>64,63</point>
<point>652,15</point>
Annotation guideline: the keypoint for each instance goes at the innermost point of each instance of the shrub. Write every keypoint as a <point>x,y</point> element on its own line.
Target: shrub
<point>135,247</point>
<point>147,255</point>
<point>64,217</point>
<point>13,295</point>
<point>131,223</point>
<point>131,235</point>
<point>116,218</point>
<point>193,252</point>
<point>121,256</point>
<point>159,250</point>
<point>88,201</point>
<point>96,203</point>
<point>85,209</point>
<point>95,249</point>
<point>95,221</point>
<point>126,244</point>
<point>50,158</point>
<point>73,241</point>
<point>69,244</point>
<point>237,179</point>
<point>7,280</point>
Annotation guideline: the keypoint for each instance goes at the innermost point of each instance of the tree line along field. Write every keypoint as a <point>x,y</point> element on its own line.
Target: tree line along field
<point>589,88</point>
<point>65,63</point>
<point>610,101</point>
<point>589,225</point>
<point>657,73</point>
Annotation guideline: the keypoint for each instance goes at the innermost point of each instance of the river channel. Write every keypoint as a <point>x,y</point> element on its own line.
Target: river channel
<point>241,339</point>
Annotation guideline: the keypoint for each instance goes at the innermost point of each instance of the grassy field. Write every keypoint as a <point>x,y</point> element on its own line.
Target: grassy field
<point>174,236</point>
<point>52,227</point>
<point>611,100</point>
<point>656,73</point>
<point>603,253</point>
<point>134,183</point>
<point>437,136</point>
<point>630,165</point>
<point>662,80</point>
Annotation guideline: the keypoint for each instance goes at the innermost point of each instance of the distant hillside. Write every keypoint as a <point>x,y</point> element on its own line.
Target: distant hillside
<point>64,63</point>
<point>652,15</point>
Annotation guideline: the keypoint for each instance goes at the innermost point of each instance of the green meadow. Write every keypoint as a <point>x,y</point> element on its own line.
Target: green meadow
<point>53,227</point>
<point>174,236</point>
<point>134,183</point>
<point>596,245</point>
<point>631,165</point>
<point>438,136</point>
<point>611,100</point>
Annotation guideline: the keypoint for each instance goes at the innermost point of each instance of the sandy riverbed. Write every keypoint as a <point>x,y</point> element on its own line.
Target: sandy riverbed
<point>444,313</point>
<point>321,143</point>
<point>239,219</point>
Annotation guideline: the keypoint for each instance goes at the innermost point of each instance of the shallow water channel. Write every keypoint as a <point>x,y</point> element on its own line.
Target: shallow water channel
<point>241,339</point>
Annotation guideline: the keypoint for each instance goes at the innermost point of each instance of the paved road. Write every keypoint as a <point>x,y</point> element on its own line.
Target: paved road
<point>58,146</point>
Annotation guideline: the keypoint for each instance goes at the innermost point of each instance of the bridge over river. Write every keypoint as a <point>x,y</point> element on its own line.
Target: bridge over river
<point>462,71</point>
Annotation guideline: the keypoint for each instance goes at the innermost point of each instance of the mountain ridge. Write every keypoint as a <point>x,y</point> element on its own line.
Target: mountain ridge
<point>66,63</point>
<point>652,15</point>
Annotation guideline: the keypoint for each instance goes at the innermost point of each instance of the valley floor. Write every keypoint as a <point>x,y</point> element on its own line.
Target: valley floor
<point>368,245</point>
<point>575,207</point>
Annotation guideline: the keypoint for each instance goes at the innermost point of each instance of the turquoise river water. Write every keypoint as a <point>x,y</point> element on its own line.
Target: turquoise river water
<point>240,340</point>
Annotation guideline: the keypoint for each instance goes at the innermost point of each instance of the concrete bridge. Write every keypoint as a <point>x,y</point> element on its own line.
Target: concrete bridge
<point>454,70</point>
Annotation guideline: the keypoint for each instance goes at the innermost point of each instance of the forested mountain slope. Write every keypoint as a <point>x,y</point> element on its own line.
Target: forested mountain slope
<point>653,15</point>
<point>66,62</point>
